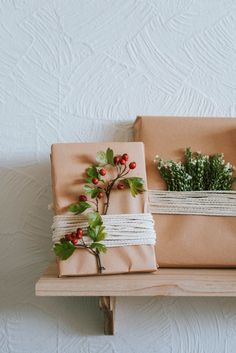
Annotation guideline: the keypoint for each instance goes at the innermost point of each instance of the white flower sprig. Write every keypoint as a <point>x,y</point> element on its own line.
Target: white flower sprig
<point>197,172</point>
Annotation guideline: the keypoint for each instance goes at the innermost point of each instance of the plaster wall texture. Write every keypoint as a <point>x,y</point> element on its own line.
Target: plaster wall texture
<point>81,70</point>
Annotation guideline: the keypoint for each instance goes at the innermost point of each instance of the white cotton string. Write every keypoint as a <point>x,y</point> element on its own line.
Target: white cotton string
<point>121,229</point>
<point>210,203</point>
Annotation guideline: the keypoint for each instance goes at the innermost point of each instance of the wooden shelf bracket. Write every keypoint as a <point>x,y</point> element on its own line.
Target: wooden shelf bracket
<point>164,282</point>
<point>107,305</point>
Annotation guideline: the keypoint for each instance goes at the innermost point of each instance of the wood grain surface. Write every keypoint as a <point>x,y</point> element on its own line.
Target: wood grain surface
<point>163,282</point>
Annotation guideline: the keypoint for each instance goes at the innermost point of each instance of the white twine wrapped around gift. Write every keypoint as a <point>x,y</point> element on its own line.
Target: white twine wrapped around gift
<point>209,203</point>
<point>121,229</point>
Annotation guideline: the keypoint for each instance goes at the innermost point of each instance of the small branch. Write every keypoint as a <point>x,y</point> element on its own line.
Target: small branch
<point>95,203</point>
<point>125,174</point>
<point>95,253</point>
<point>110,186</point>
<point>99,264</point>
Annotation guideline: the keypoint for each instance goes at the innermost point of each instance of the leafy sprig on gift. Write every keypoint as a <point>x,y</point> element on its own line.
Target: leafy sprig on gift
<point>95,231</point>
<point>109,172</point>
<point>197,172</point>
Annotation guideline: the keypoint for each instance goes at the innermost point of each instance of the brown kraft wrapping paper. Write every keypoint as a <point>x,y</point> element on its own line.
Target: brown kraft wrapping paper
<point>69,162</point>
<point>189,240</point>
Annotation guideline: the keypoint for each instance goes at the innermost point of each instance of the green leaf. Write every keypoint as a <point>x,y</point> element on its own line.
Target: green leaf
<point>96,233</point>
<point>94,192</point>
<point>101,234</point>
<point>88,188</point>
<point>99,247</point>
<point>88,180</point>
<point>135,184</point>
<point>80,207</point>
<point>92,172</point>
<point>96,230</point>
<point>101,158</point>
<point>64,250</point>
<point>94,219</point>
<point>110,156</point>
<point>92,233</point>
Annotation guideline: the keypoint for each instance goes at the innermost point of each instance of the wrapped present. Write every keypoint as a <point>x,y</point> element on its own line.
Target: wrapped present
<point>197,239</point>
<point>127,250</point>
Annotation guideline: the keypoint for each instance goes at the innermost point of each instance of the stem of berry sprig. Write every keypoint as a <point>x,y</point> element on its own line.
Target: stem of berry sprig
<point>98,188</point>
<point>119,162</point>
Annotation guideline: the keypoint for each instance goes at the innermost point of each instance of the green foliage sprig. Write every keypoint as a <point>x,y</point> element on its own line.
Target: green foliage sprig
<point>71,241</point>
<point>197,172</point>
<point>108,172</point>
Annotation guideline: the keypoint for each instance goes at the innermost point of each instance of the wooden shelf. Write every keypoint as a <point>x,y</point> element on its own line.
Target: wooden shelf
<point>163,282</point>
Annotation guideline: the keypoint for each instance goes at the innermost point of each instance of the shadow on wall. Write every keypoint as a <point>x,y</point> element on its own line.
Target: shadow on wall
<point>25,252</point>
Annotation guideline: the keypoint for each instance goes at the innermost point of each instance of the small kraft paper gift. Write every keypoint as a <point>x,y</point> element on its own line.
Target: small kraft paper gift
<point>101,224</point>
<point>195,228</point>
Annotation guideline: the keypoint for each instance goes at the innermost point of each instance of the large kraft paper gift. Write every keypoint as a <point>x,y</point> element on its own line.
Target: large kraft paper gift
<point>189,240</point>
<point>69,162</point>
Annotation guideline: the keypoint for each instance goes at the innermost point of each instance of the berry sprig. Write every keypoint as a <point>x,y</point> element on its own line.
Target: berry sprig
<point>75,240</point>
<point>108,173</point>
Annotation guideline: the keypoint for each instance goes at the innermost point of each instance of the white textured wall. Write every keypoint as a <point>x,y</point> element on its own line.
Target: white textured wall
<point>74,70</point>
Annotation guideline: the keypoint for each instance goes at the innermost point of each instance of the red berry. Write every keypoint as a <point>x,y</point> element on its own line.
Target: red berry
<point>100,195</point>
<point>120,186</point>
<point>83,198</point>
<point>69,237</point>
<point>132,165</point>
<point>116,159</point>
<point>75,241</point>
<point>95,181</point>
<point>125,157</point>
<point>122,161</point>
<point>102,172</point>
<point>73,236</point>
<point>79,233</point>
